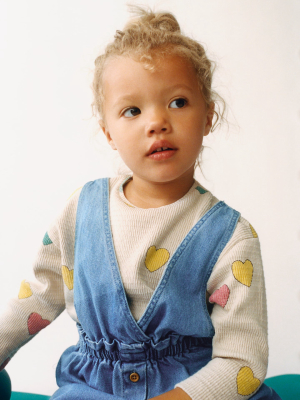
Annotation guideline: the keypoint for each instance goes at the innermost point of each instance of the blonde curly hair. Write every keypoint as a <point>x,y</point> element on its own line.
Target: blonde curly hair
<point>150,36</point>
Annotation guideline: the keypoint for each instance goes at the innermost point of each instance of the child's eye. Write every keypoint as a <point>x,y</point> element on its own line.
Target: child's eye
<point>131,112</point>
<point>179,103</point>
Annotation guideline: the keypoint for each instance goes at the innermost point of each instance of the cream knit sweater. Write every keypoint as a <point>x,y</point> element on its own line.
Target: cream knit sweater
<point>235,288</point>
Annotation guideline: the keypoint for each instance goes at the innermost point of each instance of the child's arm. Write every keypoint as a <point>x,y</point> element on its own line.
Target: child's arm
<point>175,394</point>
<point>37,304</point>
<point>240,349</point>
<point>41,300</point>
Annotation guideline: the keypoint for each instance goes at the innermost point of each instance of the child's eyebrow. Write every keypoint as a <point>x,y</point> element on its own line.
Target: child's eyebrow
<point>123,98</point>
<point>181,86</point>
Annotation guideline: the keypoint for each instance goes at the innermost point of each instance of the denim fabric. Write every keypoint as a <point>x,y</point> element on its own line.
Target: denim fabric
<point>173,338</point>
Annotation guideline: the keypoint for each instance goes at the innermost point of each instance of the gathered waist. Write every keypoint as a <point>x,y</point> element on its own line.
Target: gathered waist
<point>116,351</point>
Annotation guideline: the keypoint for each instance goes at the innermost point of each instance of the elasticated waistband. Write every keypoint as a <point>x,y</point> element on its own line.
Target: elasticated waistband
<point>145,351</point>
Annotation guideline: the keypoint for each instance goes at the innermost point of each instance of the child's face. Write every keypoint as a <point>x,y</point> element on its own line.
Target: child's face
<point>146,110</point>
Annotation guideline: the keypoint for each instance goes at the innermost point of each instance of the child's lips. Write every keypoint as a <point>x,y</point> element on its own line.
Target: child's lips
<point>162,155</point>
<point>158,144</point>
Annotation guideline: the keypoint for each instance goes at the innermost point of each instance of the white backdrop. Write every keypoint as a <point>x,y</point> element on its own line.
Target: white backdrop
<point>47,50</point>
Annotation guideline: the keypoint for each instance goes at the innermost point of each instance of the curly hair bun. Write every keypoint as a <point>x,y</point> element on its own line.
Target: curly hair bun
<point>162,20</point>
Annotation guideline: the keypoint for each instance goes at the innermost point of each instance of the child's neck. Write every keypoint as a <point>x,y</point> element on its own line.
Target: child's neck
<point>144,194</point>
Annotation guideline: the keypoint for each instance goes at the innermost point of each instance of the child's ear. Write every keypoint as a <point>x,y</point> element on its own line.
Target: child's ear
<point>209,118</point>
<point>106,133</point>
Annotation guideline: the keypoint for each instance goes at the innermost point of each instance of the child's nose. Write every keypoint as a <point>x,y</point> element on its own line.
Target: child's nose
<point>158,123</point>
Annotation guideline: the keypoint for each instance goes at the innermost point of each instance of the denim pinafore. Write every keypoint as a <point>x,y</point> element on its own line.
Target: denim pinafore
<point>117,357</point>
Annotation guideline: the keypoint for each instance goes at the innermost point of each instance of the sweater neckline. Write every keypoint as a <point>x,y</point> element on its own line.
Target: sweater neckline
<point>194,186</point>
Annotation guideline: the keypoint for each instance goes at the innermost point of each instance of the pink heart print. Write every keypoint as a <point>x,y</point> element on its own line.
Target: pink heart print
<point>36,323</point>
<point>220,296</point>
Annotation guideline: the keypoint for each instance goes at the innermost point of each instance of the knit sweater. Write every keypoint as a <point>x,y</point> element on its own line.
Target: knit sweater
<point>144,241</point>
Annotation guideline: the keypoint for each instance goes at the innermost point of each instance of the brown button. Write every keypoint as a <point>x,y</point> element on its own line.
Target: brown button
<point>134,377</point>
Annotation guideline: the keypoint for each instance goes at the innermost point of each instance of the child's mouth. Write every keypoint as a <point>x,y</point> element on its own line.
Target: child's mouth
<point>162,154</point>
<point>161,150</point>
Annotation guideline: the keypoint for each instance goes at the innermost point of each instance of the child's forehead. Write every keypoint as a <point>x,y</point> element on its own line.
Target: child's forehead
<point>170,67</point>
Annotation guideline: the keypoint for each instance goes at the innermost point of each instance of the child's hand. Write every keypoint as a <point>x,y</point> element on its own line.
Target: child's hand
<point>175,394</point>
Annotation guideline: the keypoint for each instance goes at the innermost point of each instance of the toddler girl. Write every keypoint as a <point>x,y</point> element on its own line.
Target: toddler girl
<point>164,281</point>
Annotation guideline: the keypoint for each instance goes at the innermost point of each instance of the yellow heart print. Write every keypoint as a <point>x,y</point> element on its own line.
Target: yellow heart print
<point>25,290</point>
<point>243,272</point>
<point>68,277</point>
<point>155,259</point>
<point>246,383</point>
<point>253,231</point>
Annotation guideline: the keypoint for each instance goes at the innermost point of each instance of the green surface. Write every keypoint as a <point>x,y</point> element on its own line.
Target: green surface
<point>287,386</point>
<point>27,396</point>
<point>5,385</point>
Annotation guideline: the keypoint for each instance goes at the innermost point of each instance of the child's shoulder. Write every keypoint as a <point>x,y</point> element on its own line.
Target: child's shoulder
<point>66,218</point>
<point>243,230</point>
<point>244,236</point>
<point>115,181</point>
<point>71,203</point>
<point>75,195</point>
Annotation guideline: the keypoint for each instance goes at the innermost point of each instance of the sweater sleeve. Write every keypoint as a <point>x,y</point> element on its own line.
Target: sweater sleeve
<point>236,289</point>
<point>42,299</point>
